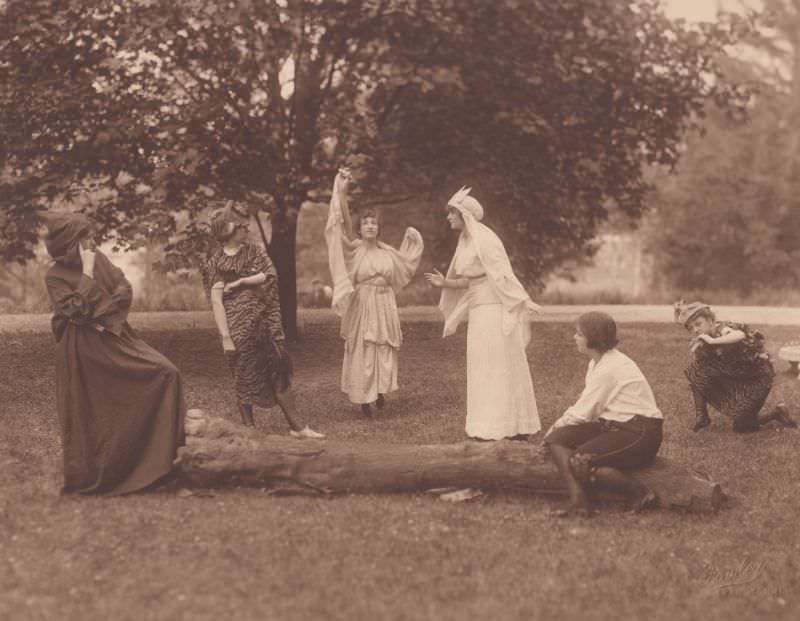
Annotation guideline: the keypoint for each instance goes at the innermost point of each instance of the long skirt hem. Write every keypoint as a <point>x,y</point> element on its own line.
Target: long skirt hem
<point>500,397</point>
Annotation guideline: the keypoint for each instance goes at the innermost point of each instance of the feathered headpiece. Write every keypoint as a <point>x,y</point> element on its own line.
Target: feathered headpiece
<point>462,201</point>
<point>226,220</point>
<point>685,311</point>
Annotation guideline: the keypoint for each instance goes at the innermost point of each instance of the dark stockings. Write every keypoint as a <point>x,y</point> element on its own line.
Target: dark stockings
<point>604,477</point>
<point>246,410</point>
<point>285,400</point>
<point>578,500</point>
<point>701,418</point>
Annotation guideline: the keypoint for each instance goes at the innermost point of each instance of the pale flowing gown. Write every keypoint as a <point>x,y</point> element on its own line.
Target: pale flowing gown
<point>365,280</point>
<point>500,397</point>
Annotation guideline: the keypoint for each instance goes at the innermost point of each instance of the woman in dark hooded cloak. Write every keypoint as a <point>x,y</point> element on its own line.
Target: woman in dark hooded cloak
<point>120,402</point>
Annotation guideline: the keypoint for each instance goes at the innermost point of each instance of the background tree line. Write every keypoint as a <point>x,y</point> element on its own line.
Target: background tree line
<point>148,113</point>
<point>728,218</point>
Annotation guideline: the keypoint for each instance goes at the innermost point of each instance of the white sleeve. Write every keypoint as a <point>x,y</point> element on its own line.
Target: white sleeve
<point>591,403</point>
<point>338,244</point>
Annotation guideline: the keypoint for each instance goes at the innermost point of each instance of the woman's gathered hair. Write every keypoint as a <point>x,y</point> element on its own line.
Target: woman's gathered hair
<point>226,221</point>
<point>703,312</point>
<point>600,330</point>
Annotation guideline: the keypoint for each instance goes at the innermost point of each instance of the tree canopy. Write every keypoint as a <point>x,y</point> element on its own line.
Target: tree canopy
<point>549,109</point>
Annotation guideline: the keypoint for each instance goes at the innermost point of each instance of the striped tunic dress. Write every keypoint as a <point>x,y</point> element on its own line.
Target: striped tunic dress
<point>254,321</point>
<point>736,378</point>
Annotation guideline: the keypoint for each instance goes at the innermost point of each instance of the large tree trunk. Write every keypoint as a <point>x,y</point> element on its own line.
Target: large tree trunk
<point>218,451</point>
<point>282,250</point>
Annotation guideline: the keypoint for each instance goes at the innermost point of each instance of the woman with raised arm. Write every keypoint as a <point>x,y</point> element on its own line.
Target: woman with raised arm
<point>120,402</point>
<point>367,274</point>
<point>242,285</point>
<point>729,369</point>
<point>481,287</point>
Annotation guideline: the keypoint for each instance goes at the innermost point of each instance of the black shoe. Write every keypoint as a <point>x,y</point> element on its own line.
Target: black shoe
<point>648,500</point>
<point>380,402</point>
<point>782,416</point>
<point>701,421</point>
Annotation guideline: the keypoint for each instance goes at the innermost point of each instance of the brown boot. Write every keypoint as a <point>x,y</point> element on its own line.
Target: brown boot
<point>701,419</point>
<point>246,411</point>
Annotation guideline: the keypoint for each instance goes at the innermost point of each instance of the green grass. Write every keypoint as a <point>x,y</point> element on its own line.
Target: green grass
<point>243,554</point>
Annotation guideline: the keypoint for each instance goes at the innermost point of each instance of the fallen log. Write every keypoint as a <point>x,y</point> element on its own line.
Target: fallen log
<point>220,452</point>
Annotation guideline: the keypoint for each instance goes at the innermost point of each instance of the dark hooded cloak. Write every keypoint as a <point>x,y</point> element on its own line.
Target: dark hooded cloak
<point>120,402</point>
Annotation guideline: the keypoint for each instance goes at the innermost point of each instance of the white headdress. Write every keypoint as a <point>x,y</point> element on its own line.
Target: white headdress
<point>462,201</point>
<point>454,304</point>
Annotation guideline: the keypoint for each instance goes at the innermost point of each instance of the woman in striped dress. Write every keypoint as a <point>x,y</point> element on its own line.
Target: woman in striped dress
<point>729,369</point>
<point>242,285</point>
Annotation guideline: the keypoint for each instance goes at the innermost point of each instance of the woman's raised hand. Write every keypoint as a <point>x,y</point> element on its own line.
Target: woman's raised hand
<point>435,278</point>
<point>343,179</point>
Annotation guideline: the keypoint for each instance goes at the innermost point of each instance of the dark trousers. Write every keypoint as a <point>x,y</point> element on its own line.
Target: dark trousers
<point>625,446</point>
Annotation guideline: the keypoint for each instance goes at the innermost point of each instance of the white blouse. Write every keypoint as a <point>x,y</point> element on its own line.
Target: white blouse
<point>615,390</point>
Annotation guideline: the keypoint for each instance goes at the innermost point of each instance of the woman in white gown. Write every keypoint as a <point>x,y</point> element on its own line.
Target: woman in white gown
<point>480,286</point>
<point>366,275</point>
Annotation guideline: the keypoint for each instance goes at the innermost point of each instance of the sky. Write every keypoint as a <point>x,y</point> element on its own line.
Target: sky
<point>704,10</point>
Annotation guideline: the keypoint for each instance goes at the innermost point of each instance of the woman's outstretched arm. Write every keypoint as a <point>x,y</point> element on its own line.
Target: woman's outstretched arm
<point>438,280</point>
<point>218,308</point>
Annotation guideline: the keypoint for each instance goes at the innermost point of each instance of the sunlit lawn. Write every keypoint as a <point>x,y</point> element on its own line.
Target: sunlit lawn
<point>245,554</point>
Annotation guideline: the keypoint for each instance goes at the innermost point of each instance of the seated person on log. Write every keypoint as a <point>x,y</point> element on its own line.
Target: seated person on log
<point>120,402</point>
<point>242,285</point>
<point>613,428</point>
<point>730,369</point>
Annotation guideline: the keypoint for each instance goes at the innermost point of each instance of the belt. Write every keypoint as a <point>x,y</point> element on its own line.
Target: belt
<point>637,424</point>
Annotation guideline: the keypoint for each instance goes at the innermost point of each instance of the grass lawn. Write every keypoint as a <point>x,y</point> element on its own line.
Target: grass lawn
<point>243,554</point>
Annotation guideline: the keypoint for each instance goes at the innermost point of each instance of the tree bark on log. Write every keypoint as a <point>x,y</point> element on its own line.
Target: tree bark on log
<point>219,452</point>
